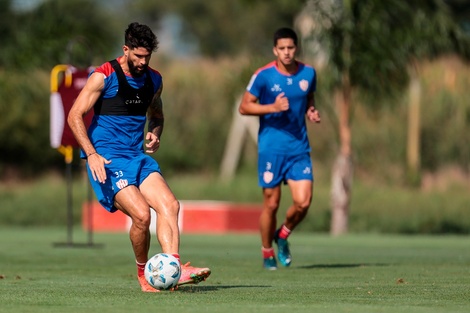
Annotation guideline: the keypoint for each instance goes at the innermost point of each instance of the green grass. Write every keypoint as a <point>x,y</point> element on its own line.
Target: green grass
<point>355,273</point>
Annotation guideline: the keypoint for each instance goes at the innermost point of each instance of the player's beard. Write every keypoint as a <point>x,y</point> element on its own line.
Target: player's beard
<point>134,70</point>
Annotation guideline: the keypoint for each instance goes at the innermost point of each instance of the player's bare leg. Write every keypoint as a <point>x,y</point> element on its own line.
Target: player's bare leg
<point>302,196</point>
<point>268,220</point>
<point>130,201</point>
<point>301,192</point>
<point>158,195</point>
<point>167,208</point>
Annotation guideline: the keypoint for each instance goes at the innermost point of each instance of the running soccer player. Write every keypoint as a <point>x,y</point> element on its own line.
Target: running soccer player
<point>124,93</point>
<point>281,93</point>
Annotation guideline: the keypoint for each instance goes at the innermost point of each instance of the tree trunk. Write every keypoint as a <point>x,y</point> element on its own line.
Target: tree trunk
<point>341,184</point>
<point>342,174</point>
<point>413,141</point>
<point>341,181</point>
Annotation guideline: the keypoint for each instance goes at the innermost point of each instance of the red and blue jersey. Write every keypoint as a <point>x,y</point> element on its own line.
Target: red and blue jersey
<point>120,113</point>
<point>285,132</point>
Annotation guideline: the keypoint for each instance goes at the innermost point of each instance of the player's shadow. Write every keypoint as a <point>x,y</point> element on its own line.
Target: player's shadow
<point>347,265</point>
<point>194,289</point>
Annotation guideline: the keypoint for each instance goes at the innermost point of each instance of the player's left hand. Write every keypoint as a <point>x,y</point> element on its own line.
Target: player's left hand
<point>313,115</point>
<point>153,144</point>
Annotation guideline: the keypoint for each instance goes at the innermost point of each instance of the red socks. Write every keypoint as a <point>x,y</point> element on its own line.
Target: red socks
<point>176,255</point>
<point>267,252</point>
<point>284,232</point>
<point>140,268</point>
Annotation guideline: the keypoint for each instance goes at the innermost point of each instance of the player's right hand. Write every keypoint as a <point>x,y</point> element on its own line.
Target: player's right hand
<point>281,103</point>
<point>96,164</point>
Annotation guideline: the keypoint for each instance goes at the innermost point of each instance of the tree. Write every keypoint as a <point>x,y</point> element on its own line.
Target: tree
<point>373,47</point>
<point>225,27</point>
<point>42,37</point>
<point>33,43</point>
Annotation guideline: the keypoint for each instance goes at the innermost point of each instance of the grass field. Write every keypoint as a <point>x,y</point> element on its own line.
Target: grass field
<point>355,273</point>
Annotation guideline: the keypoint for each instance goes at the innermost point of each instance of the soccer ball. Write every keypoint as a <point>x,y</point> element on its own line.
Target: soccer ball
<point>162,271</point>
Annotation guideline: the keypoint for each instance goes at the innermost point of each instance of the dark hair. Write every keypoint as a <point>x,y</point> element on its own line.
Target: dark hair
<point>285,32</point>
<point>139,35</point>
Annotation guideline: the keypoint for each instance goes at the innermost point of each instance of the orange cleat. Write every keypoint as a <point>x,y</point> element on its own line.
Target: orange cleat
<point>144,285</point>
<point>193,275</point>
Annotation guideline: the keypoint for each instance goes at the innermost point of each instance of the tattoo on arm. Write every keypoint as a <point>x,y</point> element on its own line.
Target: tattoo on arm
<point>155,117</point>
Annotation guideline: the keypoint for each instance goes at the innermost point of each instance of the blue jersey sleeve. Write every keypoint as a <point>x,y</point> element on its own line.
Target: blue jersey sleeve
<point>255,85</point>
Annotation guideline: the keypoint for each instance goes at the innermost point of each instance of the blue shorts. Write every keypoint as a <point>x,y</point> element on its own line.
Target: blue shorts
<point>121,172</point>
<point>276,169</point>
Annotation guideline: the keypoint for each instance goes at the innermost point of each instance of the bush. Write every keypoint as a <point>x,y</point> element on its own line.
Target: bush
<point>200,98</point>
<point>374,209</point>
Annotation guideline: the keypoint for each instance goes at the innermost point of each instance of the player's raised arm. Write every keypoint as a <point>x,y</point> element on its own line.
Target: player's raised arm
<point>250,106</point>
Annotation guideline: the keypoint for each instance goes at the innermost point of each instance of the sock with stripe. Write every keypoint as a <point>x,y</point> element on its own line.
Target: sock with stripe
<point>140,268</point>
<point>176,255</point>
<point>284,232</point>
<point>267,252</point>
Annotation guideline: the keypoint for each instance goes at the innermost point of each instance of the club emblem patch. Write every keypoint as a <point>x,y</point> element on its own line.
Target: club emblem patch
<point>268,177</point>
<point>122,183</point>
<point>303,84</point>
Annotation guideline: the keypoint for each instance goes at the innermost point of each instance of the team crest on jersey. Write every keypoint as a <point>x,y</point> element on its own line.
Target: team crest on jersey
<point>303,84</point>
<point>268,177</point>
<point>122,183</point>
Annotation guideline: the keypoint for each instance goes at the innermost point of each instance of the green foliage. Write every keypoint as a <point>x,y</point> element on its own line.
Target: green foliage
<point>7,24</point>
<point>40,39</point>
<point>224,28</point>
<point>24,126</point>
<point>446,115</point>
<point>200,94</point>
<point>197,121</point>
<point>74,31</point>
<point>376,41</point>
<point>374,207</point>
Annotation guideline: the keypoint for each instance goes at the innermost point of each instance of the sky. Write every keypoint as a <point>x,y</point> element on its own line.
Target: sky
<point>25,4</point>
<point>31,4</point>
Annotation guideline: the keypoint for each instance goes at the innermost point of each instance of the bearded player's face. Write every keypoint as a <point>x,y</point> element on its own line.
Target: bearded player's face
<point>138,60</point>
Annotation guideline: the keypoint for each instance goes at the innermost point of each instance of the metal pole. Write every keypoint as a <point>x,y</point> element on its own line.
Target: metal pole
<point>69,204</point>
<point>90,216</point>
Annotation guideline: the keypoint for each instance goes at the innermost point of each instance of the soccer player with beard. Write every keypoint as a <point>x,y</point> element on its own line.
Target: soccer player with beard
<point>281,93</point>
<point>124,93</point>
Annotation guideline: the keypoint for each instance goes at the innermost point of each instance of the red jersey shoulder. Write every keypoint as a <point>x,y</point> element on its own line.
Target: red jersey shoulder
<point>269,65</point>
<point>106,69</point>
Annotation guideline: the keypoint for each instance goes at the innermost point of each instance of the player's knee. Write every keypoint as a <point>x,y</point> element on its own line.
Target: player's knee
<point>302,205</point>
<point>271,206</point>
<point>142,219</point>
<point>168,210</point>
<point>174,207</point>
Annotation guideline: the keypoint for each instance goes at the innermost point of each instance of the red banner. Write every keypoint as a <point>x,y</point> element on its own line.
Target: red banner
<point>64,92</point>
